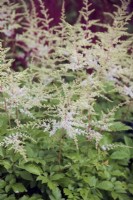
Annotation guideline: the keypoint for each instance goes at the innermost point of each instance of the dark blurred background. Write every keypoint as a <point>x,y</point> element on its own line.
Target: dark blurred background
<point>73,6</point>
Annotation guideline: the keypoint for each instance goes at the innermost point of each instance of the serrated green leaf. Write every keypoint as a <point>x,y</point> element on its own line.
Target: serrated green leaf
<point>7,188</point>
<point>120,154</point>
<point>9,177</point>
<point>129,142</point>
<point>118,126</point>
<point>68,193</point>
<point>56,193</point>
<point>2,184</point>
<point>57,177</point>
<point>33,169</point>
<point>91,180</point>
<point>52,185</point>
<point>18,188</point>
<point>118,173</point>
<point>6,164</point>
<point>105,185</point>
<point>26,175</point>
<point>24,198</point>
<point>120,187</point>
<point>130,188</point>
<point>43,179</point>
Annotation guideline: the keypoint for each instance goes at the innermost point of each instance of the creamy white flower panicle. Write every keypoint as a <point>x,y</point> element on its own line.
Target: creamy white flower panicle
<point>68,122</point>
<point>128,91</point>
<point>22,99</point>
<point>94,135</point>
<point>16,142</point>
<point>75,61</point>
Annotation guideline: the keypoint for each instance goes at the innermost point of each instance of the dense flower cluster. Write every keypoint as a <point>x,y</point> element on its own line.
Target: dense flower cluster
<point>70,69</point>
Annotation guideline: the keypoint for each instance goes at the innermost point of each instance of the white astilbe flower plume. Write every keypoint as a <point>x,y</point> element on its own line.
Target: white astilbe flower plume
<point>94,135</point>
<point>16,142</point>
<point>68,122</point>
<point>128,91</point>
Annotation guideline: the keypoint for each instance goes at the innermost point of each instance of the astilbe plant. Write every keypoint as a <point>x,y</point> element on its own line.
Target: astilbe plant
<point>69,69</point>
<point>8,16</point>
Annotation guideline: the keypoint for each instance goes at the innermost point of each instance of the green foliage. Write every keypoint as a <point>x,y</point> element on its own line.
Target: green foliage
<point>67,173</point>
<point>60,127</point>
